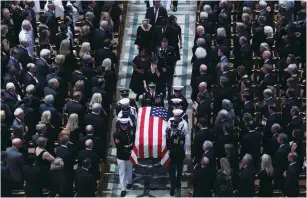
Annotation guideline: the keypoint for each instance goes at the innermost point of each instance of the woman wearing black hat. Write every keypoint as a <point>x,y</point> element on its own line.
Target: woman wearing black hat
<point>141,63</point>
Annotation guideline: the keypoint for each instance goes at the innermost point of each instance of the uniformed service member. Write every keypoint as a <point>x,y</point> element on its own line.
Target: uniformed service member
<point>177,103</point>
<point>127,112</point>
<point>125,94</point>
<point>166,62</point>
<point>177,94</point>
<point>124,140</point>
<point>182,124</point>
<point>152,98</point>
<point>175,141</point>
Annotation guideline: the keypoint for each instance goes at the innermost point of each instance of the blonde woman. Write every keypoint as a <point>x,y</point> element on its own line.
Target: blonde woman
<point>85,50</point>
<point>96,98</point>
<point>50,129</point>
<point>266,177</point>
<point>106,17</point>
<point>223,183</point>
<point>110,78</point>
<point>70,62</point>
<point>72,128</point>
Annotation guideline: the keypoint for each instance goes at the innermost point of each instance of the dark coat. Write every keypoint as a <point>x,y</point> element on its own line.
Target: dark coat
<point>200,136</point>
<point>99,37</point>
<point>24,57</point>
<point>246,182</point>
<point>32,176</point>
<point>42,69</point>
<point>280,164</point>
<point>291,187</point>
<point>29,80</point>
<point>85,183</point>
<point>265,184</point>
<point>104,53</point>
<point>95,162</point>
<point>57,182</point>
<point>212,159</point>
<point>150,14</point>
<point>203,180</point>
<point>52,23</point>
<point>221,141</point>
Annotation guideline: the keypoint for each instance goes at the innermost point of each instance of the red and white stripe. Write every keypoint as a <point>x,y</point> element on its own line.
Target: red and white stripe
<point>150,137</point>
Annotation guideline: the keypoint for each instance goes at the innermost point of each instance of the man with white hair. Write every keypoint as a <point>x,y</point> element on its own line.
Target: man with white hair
<point>203,77</point>
<point>201,33</point>
<point>247,177</point>
<point>268,79</point>
<point>15,76</point>
<point>210,154</point>
<point>52,21</point>
<point>27,31</point>
<point>24,56</point>
<point>29,77</point>
<point>90,154</point>
<point>53,85</point>
<point>19,119</point>
<point>100,35</point>
<point>12,99</point>
<point>42,66</point>
<point>95,120</point>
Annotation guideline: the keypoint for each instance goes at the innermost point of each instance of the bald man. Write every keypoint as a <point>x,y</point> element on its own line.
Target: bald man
<point>203,77</point>
<point>97,145</point>
<point>100,35</point>
<point>88,153</point>
<point>203,179</point>
<point>15,162</point>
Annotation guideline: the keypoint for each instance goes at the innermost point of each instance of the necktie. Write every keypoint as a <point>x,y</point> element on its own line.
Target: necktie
<point>156,12</point>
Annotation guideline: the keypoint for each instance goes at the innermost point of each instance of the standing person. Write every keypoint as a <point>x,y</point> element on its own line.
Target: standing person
<point>175,141</point>
<point>223,183</point>
<point>85,182</point>
<point>33,178</point>
<point>166,57</point>
<point>57,177</point>
<point>172,21</point>
<point>144,36</point>
<point>291,187</point>
<point>27,31</point>
<point>155,12</point>
<point>141,63</point>
<point>124,139</point>
<point>247,177</point>
<point>52,21</point>
<point>175,5</point>
<point>154,75</point>
<point>266,177</point>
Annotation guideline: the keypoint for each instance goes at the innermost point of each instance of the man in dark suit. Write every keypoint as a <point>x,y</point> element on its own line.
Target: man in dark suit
<point>259,36</point>
<point>15,161</point>
<point>223,122</point>
<point>94,118</point>
<point>89,20</point>
<point>204,77</point>
<point>74,106</point>
<point>210,154</point>
<point>60,36</point>
<point>203,100</point>
<point>269,78</point>
<point>229,74</point>
<point>295,123</point>
<point>246,54</point>
<point>68,157</point>
<point>247,177</point>
<point>49,106</point>
<point>273,145</point>
<point>203,21</point>
<point>96,141</point>
<point>11,76</point>
<point>53,89</point>
<point>24,57</point>
<point>42,67</point>
<point>105,52</point>
<point>203,179</point>
<point>223,53</point>
<point>29,77</point>
<point>248,105</point>
<point>251,144</point>
<point>85,182</point>
<point>289,101</point>
<point>227,138</point>
<point>202,33</point>
<point>199,137</point>
<point>12,99</point>
<point>14,61</point>
<point>163,31</point>
<point>52,21</point>
<point>100,35</point>
<point>153,13</point>
<point>274,117</point>
<point>78,75</point>
<point>6,180</point>
<point>292,175</point>
<point>280,162</point>
<point>88,153</point>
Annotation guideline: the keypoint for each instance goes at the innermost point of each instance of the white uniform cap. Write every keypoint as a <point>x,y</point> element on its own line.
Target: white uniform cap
<point>177,87</point>
<point>18,111</point>
<point>176,100</point>
<point>177,112</point>
<point>10,85</point>
<point>124,101</point>
<point>124,120</point>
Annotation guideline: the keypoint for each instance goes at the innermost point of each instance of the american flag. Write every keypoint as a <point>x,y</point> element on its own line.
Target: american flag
<point>150,138</point>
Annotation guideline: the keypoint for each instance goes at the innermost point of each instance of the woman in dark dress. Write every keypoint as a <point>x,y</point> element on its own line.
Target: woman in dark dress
<point>43,160</point>
<point>265,176</point>
<point>154,75</point>
<point>233,159</point>
<point>32,177</point>
<point>144,37</point>
<point>141,63</point>
<point>223,183</point>
<point>172,21</point>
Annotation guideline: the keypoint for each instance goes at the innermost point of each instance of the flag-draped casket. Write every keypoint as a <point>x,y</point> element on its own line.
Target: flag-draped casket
<point>150,137</point>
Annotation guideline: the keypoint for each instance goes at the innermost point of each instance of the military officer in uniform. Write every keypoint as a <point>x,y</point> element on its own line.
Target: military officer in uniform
<point>124,140</point>
<point>166,62</point>
<point>177,103</point>
<point>127,112</point>
<point>175,141</point>
<point>152,98</point>
<point>125,94</point>
<point>178,94</point>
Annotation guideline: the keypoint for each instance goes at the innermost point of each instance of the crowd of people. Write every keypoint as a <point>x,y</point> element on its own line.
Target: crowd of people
<point>248,92</point>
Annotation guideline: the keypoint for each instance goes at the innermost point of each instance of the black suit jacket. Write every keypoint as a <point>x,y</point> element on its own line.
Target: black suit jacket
<point>203,180</point>
<point>42,69</point>
<point>247,57</point>
<point>291,187</point>
<point>161,32</point>
<point>295,123</point>
<point>53,25</point>
<point>251,144</point>
<point>75,76</point>
<point>12,101</point>
<point>75,107</point>
<point>246,182</point>
<point>33,178</point>
<point>208,25</point>
<point>24,57</point>
<point>59,38</point>
<point>221,141</point>
<point>96,144</point>
<point>29,80</point>
<point>94,170</point>
<point>97,122</point>
<point>150,14</point>
<point>212,159</point>
<point>200,136</point>
<point>272,146</point>
<point>280,159</point>
<point>104,53</point>
<point>99,37</point>
<point>272,119</point>
<point>85,183</point>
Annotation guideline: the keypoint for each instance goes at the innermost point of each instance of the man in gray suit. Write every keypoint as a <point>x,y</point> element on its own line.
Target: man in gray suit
<point>15,162</point>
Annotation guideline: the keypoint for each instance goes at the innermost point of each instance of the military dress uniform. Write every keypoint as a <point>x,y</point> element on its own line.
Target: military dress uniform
<point>126,112</point>
<point>166,59</point>
<point>175,140</point>
<point>124,140</point>
<point>184,102</point>
<point>125,94</point>
<point>151,98</point>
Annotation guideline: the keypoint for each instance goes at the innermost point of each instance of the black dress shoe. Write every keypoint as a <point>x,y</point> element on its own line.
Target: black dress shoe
<point>129,186</point>
<point>172,193</point>
<point>123,193</point>
<point>175,9</point>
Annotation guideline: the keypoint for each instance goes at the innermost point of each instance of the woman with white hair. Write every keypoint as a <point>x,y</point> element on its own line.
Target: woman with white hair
<point>221,37</point>
<point>266,177</point>
<point>110,78</point>
<point>268,32</point>
<point>96,98</point>
<point>70,59</point>
<point>72,128</point>
<point>85,50</point>
<point>51,132</point>
<point>201,59</point>
<point>27,31</point>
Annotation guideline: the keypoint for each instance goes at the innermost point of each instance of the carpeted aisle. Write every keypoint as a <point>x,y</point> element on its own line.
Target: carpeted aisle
<point>135,14</point>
